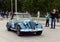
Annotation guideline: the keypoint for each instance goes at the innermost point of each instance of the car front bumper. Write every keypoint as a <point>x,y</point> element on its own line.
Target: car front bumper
<point>31,30</point>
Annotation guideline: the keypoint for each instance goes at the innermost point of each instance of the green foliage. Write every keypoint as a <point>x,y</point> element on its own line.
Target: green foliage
<point>31,6</point>
<point>5,5</point>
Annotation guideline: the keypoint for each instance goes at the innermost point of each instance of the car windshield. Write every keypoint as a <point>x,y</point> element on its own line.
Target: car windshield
<point>19,16</point>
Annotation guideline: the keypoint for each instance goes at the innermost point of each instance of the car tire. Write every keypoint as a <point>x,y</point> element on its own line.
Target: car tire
<point>8,29</point>
<point>18,31</point>
<point>39,32</point>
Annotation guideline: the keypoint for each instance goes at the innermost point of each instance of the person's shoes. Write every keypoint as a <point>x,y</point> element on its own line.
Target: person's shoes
<point>46,26</point>
<point>52,28</point>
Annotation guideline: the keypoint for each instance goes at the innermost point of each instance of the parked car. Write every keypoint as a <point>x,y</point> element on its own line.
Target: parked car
<point>23,22</point>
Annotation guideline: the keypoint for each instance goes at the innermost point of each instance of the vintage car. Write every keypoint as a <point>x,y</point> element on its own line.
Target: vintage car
<point>22,22</point>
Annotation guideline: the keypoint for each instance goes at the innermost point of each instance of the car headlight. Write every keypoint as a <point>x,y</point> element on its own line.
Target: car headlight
<point>36,22</point>
<point>25,23</point>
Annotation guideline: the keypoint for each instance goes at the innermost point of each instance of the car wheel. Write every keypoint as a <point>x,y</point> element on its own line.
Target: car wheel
<point>8,28</point>
<point>18,30</point>
<point>39,32</point>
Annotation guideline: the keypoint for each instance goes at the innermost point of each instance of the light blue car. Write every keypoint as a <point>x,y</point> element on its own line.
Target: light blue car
<point>22,22</point>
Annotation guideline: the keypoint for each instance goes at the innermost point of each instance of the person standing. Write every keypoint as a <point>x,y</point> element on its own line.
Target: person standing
<point>47,19</point>
<point>7,14</point>
<point>57,14</point>
<point>53,19</point>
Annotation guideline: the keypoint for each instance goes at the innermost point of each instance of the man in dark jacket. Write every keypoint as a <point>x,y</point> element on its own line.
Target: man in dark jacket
<point>53,18</point>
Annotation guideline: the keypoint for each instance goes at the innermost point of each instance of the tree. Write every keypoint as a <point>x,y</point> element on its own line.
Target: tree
<point>5,5</point>
<point>30,5</point>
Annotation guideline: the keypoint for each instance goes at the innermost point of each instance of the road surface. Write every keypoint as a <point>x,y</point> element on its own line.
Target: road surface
<point>48,35</point>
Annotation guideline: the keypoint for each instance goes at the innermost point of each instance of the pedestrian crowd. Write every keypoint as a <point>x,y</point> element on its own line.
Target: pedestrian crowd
<point>54,15</point>
<point>4,14</point>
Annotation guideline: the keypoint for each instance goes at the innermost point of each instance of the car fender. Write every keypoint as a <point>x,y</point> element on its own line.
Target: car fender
<point>21,25</point>
<point>39,26</point>
<point>8,25</point>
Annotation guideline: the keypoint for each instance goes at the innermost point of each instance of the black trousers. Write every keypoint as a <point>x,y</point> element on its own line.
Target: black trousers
<point>47,23</point>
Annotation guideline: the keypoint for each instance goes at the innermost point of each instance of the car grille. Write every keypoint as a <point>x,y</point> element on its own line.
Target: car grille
<point>32,25</point>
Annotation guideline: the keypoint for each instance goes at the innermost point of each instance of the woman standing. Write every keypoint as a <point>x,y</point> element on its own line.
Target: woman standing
<point>47,19</point>
<point>53,19</point>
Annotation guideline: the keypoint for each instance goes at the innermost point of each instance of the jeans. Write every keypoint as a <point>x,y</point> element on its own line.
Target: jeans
<point>53,23</point>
